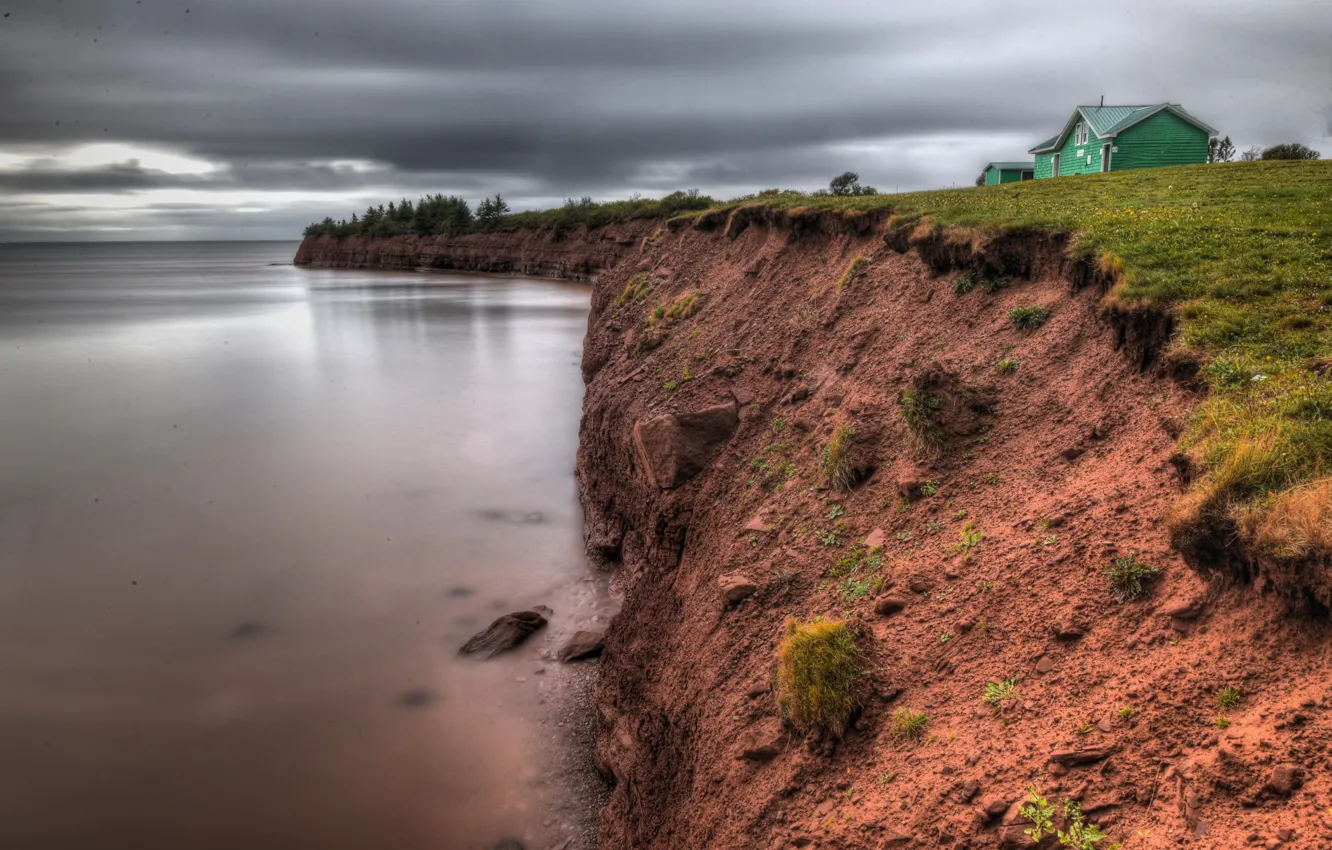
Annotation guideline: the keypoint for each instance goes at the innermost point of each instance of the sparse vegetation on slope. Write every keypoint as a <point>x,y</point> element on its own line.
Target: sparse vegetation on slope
<point>819,675</point>
<point>1242,252</point>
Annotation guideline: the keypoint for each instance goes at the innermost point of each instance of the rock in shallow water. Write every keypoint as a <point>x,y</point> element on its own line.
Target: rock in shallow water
<point>583,645</point>
<point>504,634</point>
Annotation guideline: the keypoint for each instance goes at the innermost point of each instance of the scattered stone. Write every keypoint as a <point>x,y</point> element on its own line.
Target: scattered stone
<point>896,839</point>
<point>965,625</point>
<point>1284,779</point>
<point>250,631</point>
<point>1182,608</point>
<point>677,446</point>
<point>1070,631</point>
<point>757,691</point>
<point>417,698</point>
<point>1088,755</point>
<point>1071,454</point>
<point>1286,834</point>
<point>994,806</point>
<point>969,789</point>
<point>504,634</point>
<point>919,585</point>
<point>1106,725</point>
<point>759,524</point>
<point>887,605</point>
<point>762,743</point>
<point>1045,665</point>
<point>582,646</point>
<point>875,539</point>
<point>735,588</point>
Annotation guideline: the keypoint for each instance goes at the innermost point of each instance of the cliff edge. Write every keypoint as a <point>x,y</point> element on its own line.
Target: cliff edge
<point>958,446</point>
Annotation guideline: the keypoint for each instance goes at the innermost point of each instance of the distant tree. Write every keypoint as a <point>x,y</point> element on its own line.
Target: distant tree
<point>1220,150</point>
<point>1251,154</point>
<point>1293,150</point>
<point>980,181</point>
<point>490,211</point>
<point>848,183</point>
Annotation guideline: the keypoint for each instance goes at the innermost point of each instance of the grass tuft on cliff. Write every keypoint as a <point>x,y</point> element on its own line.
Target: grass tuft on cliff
<point>839,469</point>
<point>819,675</point>
<point>1241,253</point>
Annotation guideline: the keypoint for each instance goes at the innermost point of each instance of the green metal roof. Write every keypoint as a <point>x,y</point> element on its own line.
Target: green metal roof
<point>1011,166</point>
<point>1108,121</point>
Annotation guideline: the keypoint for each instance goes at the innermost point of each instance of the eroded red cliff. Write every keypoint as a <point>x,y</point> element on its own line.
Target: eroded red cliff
<point>992,551</point>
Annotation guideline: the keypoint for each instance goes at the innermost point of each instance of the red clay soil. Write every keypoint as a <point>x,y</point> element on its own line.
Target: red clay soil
<point>1062,465</point>
<point>579,254</point>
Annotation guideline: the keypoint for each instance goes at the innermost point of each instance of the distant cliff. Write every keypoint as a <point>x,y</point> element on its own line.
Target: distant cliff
<point>578,254</point>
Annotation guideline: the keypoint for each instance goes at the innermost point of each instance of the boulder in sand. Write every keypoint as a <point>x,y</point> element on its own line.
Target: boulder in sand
<point>581,646</point>
<point>676,447</point>
<point>504,634</point>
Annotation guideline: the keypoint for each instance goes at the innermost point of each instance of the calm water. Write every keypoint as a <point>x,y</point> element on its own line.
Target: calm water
<point>248,512</point>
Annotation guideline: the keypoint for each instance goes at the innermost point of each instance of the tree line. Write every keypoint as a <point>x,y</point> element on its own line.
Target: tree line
<point>452,215</point>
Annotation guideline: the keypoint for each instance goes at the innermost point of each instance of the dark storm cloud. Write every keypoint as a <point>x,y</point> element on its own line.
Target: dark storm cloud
<point>338,101</point>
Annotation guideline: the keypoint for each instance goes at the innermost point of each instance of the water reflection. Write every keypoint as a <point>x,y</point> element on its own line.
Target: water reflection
<point>247,514</point>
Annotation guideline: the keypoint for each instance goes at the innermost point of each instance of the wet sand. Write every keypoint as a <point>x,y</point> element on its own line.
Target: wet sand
<point>247,515</point>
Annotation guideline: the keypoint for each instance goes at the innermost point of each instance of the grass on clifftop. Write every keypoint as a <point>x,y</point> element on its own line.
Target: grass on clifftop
<point>819,675</point>
<point>1242,252</point>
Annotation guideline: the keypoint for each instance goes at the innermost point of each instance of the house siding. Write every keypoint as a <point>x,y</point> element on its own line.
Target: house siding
<point>1071,163</point>
<point>1163,139</point>
<point>1044,166</point>
<point>995,176</point>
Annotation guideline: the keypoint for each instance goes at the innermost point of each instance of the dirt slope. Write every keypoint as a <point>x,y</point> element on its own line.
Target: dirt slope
<point>1058,467</point>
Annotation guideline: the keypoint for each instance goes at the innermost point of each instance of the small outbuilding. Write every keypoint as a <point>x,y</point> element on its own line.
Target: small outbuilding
<point>1009,172</point>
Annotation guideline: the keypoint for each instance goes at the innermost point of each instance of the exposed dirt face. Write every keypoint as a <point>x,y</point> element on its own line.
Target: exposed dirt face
<point>1058,467</point>
<point>578,254</point>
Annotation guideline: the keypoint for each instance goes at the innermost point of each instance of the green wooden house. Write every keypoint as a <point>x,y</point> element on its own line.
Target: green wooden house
<point>1115,138</point>
<point>1008,172</point>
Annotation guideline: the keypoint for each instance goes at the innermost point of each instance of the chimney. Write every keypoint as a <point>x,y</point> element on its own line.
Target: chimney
<point>1103,100</point>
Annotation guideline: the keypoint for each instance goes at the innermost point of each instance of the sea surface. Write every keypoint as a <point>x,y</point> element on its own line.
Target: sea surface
<point>248,514</point>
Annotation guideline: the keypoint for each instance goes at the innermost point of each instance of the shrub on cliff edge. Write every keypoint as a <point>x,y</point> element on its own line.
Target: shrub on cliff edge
<point>819,675</point>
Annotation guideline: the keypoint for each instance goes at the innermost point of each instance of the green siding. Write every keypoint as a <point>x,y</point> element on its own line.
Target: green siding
<point>1163,139</point>
<point>1071,163</point>
<point>1044,165</point>
<point>994,176</point>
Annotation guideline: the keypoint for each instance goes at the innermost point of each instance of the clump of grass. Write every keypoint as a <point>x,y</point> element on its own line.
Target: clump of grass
<point>998,693</point>
<point>1229,697</point>
<point>1028,318</point>
<point>1221,722</point>
<point>968,538</point>
<point>1006,367</point>
<point>908,725</point>
<point>635,291</point>
<point>837,462</point>
<point>1129,577</point>
<point>820,677</point>
<point>964,283</point>
<point>671,386</point>
<point>1127,712</point>
<point>994,284</point>
<point>915,408</point>
<point>664,315</point>
<point>853,270</point>
<point>929,488</point>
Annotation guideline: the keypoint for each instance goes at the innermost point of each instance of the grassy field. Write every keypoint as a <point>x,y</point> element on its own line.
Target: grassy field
<point>1242,252</point>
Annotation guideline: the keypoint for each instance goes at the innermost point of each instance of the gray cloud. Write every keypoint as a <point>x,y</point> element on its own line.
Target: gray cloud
<point>542,99</point>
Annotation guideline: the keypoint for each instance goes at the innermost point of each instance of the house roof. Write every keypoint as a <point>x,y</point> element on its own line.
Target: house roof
<point>1110,121</point>
<point>1011,166</point>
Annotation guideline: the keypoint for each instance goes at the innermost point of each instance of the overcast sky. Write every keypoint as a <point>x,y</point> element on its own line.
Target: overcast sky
<point>177,119</point>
